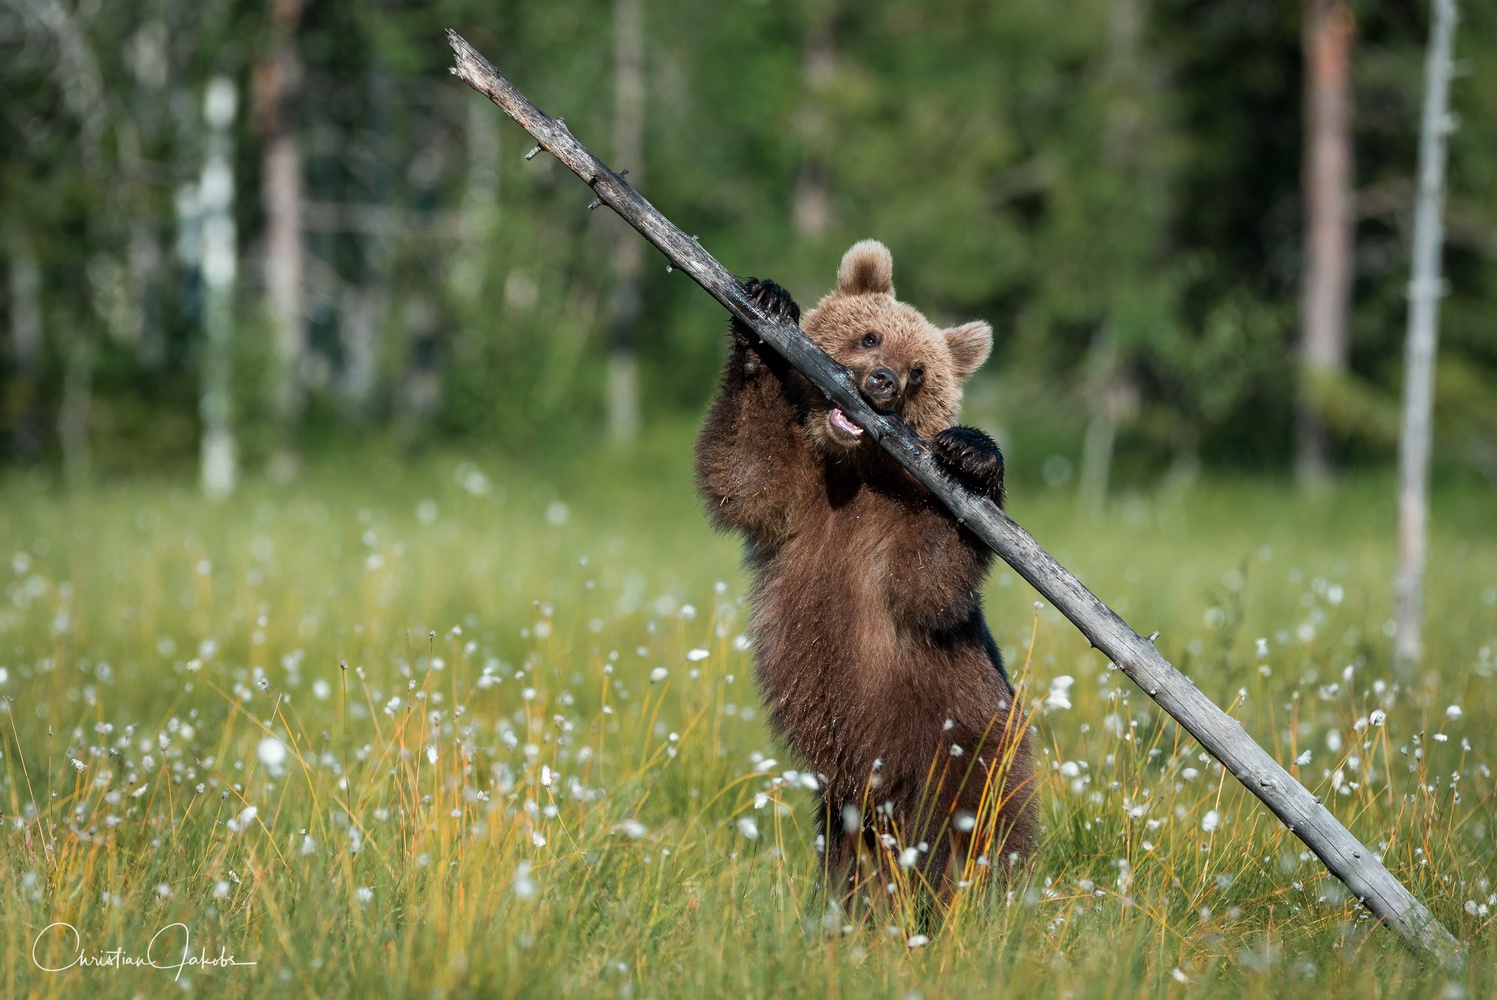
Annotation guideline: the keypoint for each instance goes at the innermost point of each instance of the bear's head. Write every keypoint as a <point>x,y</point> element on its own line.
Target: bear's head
<point>901,362</point>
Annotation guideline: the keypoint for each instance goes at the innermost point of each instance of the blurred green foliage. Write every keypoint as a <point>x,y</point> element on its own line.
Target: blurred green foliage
<point>1055,168</point>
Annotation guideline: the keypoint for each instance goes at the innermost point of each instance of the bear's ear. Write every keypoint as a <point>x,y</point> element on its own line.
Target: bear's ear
<point>969,345</point>
<point>867,269</point>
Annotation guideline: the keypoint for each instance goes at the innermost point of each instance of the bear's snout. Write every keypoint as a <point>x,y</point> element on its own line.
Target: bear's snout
<point>881,386</point>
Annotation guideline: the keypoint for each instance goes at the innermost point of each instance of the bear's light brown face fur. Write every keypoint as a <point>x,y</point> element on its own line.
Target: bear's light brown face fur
<point>901,362</point>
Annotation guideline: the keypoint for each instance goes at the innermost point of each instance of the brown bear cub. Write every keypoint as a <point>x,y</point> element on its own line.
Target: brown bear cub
<point>872,653</point>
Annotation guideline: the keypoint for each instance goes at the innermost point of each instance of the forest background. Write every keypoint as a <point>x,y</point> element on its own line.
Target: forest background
<point>1116,186</point>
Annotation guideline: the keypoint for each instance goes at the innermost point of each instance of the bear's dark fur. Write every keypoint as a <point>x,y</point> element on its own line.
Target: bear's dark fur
<point>872,653</point>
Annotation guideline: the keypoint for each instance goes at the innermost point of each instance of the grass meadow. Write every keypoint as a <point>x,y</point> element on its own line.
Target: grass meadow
<point>445,726</point>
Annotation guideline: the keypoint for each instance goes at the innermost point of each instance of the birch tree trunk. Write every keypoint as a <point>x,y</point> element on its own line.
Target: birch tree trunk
<point>220,262</point>
<point>1328,34</point>
<point>628,144</point>
<point>277,83</point>
<point>1422,338</point>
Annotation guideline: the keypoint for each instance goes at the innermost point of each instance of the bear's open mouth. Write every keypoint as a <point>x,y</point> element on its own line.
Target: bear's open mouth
<point>841,422</point>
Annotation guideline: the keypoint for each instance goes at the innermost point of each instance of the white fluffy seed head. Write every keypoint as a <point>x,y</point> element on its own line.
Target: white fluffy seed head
<point>272,752</point>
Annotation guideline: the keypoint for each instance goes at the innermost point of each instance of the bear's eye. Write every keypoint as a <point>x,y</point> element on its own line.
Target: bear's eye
<point>917,375</point>
<point>870,339</point>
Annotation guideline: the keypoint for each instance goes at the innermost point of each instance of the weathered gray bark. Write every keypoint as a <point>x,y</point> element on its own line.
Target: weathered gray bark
<point>1346,857</point>
<point>628,254</point>
<point>1328,33</point>
<point>1422,338</point>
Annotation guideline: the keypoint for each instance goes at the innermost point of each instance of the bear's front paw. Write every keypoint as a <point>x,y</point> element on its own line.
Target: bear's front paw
<point>772,300</point>
<point>973,457</point>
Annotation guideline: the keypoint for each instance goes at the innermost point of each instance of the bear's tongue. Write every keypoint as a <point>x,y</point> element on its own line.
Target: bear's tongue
<point>841,422</point>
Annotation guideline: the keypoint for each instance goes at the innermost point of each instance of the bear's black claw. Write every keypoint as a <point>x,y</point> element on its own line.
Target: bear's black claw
<point>774,300</point>
<point>973,457</point>
<point>770,298</point>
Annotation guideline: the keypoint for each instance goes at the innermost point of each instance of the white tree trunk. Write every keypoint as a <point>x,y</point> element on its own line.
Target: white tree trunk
<point>628,144</point>
<point>220,268</point>
<point>1423,334</point>
<point>1328,34</point>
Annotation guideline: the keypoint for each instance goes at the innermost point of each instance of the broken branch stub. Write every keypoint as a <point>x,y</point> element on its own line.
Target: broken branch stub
<point>1343,854</point>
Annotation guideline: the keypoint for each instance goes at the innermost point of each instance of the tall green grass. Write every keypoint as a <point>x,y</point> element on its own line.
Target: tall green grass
<point>544,770</point>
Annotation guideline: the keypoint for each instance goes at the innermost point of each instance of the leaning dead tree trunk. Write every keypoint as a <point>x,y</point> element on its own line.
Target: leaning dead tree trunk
<point>1347,858</point>
<point>1424,330</point>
